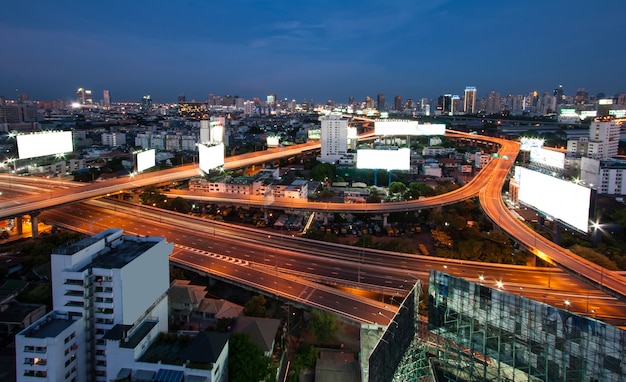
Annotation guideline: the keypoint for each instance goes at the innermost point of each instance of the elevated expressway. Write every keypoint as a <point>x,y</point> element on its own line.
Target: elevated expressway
<point>487,184</point>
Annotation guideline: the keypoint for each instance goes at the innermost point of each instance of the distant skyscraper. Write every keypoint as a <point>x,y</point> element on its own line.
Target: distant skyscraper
<point>351,100</point>
<point>271,101</point>
<point>409,103</point>
<point>559,95</point>
<point>106,99</point>
<point>146,103</point>
<point>211,101</point>
<point>181,98</point>
<point>397,103</point>
<point>582,96</point>
<point>444,104</point>
<point>493,103</point>
<point>369,102</point>
<point>380,102</point>
<point>469,100</point>
<point>80,96</point>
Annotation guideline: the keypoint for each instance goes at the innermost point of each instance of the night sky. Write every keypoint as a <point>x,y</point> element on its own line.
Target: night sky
<point>319,50</point>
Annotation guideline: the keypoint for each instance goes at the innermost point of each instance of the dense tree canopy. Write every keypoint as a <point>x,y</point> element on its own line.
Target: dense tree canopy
<point>246,360</point>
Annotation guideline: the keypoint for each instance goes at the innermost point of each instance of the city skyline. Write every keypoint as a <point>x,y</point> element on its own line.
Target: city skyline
<point>308,52</point>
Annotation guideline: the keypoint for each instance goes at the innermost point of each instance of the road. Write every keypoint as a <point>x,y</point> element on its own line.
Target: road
<point>487,184</point>
<point>273,262</point>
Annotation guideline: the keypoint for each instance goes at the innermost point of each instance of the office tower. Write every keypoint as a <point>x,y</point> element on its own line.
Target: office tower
<point>106,99</point>
<point>493,103</point>
<point>582,96</point>
<point>380,102</point>
<point>97,283</point>
<point>397,103</point>
<point>603,139</point>
<point>146,103</point>
<point>271,101</point>
<point>409,103</point>
<point>369,102</point>
<point>444,104</point>
<point>469,100</point>
<point>559,95</point>
<point>181,98</point>
<point>80,96</point>
<point>350,101</point>
<point>334,137</point>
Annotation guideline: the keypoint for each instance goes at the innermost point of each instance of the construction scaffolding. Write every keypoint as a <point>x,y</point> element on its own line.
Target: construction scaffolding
<point>399,354</point>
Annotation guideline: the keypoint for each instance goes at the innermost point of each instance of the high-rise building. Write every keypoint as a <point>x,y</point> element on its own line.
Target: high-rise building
<point>444,104</point>
<point>582,96</point>
<point>469,100</point>
<point>83,96</point>
<point>397,103</point>
<point>97,283</point>
<point>146,103</point>
<point>380,102</point>
<point>493,103</point>
<point>350,101</point>
<point>334,137</point>
<point>181,98</point>
<point>271,101</point>
<point>369,102</point>
<point>603,139</point>
<point>106,99</point>
<point>559,95</point>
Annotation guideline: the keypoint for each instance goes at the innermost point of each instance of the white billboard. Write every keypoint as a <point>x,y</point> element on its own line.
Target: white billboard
<point>526,144</point>
<point>560,199</point>
<point>145,160</point>
<point>384,159</point>
<point>272,141</point>
<point>547,157</point>
<point>400,127</point>
<point>211,157</point>
<point>42,144</point>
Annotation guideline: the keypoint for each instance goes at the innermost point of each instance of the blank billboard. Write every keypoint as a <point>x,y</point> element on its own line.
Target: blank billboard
<point>144,160</point>
<point>384,159</point>
<point>399,127</point>
<point>558,198</point>
<point>547,157</point>
<point>211,157</point>
<point>43,144</point>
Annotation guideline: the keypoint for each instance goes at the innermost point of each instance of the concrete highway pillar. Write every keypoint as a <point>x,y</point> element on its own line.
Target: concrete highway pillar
<point>385,216</point>
<point>557,233</point>
<point>19,221</point>
<point>265,215</point>
<point>34,224</point>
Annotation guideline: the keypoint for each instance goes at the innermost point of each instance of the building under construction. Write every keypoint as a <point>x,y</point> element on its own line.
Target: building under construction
<point>478,333</point>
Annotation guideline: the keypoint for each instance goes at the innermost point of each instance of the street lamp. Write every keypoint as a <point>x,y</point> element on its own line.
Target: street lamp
<point>499,284</point>
<point>567,304</point>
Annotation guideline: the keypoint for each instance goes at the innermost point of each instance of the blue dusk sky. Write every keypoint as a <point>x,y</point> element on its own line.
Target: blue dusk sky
<point>319,50</point>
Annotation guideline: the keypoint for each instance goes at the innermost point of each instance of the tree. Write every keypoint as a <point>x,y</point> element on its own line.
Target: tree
<point>179,205</point>
<point>397,187</point>
<point>323,324</point>
<point>255,307</point>
<point>246,360</point>
<point>151,195</point>
<point>373,198</point>
<point>323,172</point>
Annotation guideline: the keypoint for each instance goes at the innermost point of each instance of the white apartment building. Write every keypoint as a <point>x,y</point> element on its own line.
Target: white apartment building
<point>334,136</point>
<point>603,139</point>
<point>113,139</point>
<point>98,282</point>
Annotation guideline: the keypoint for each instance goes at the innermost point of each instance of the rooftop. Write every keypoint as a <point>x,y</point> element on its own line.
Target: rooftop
<point>49,326</point>
<point>121,254</point>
